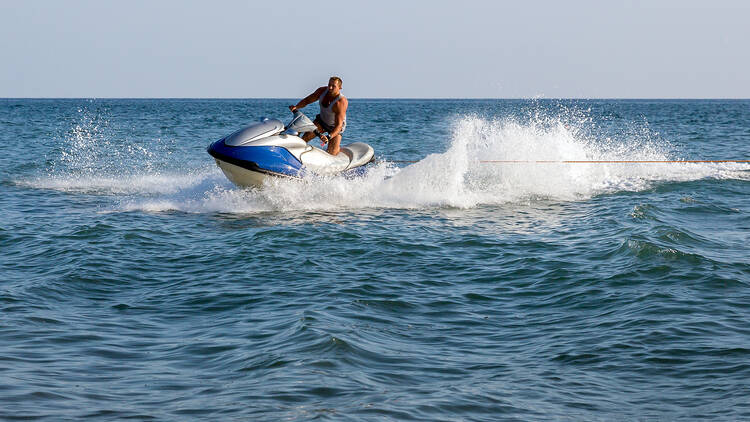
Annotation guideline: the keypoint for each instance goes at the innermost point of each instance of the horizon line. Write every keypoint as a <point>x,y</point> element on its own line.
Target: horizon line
<point>385,98</point>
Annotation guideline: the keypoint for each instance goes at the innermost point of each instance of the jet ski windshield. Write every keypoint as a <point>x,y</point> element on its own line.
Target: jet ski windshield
<point>300,123</point>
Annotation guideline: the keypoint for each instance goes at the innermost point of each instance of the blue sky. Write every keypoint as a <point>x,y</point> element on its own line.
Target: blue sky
<point>383,49</point>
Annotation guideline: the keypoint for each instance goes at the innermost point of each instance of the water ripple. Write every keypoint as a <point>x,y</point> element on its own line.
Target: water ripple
<point>142,285</point>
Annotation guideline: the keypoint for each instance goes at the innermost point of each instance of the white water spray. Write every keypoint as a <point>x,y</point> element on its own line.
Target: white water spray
<point>454,178</point>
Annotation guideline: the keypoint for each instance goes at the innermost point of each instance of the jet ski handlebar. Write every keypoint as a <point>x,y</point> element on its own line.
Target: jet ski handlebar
<point>301,123</point>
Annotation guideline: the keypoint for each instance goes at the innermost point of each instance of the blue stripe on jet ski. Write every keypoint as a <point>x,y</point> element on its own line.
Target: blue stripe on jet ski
<point>265,159</point>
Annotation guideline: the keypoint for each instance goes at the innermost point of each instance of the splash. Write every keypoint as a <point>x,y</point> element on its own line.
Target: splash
<point>95,158</point>
<point>454,178</point>
<point>126,184</point>
<point>93,146</point>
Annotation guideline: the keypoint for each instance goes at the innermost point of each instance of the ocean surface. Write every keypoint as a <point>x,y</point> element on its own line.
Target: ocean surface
<point>136,282</point>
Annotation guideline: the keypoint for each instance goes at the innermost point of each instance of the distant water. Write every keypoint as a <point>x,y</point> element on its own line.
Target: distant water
<point>137,282</point>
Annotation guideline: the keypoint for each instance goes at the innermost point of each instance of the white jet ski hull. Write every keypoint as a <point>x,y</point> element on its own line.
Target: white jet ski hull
<point>249,156</point>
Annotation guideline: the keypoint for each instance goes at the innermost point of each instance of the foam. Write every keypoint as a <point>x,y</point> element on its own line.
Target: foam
<point>453,178</point>
<point>150,183</point>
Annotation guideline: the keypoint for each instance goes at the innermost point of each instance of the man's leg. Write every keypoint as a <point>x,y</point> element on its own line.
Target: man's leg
<point>307,136</point>
<point>334,145</point>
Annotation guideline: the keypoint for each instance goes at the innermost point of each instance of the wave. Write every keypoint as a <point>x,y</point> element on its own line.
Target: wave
<point>454,178</point>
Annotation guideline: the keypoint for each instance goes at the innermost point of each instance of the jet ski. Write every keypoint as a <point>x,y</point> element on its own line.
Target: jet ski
<point>266,149</point>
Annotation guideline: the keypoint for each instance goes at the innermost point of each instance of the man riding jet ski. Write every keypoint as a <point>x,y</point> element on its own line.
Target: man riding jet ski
<point>332,117</point>
<point>269,149</point>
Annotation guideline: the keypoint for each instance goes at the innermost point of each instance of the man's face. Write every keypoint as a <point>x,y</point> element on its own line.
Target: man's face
<point>333,86</point>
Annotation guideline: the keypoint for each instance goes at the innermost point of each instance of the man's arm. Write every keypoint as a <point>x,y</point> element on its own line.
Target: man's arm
<point>309,99</point>
<point>340,112</point>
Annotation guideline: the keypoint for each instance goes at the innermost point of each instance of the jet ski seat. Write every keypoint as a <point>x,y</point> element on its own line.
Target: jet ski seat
<point>359,153</point>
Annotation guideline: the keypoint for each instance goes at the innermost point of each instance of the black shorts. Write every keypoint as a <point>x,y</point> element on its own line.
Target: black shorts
<point>325,127</point>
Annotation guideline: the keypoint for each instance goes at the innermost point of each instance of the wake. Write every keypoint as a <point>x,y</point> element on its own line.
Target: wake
<point>487,162</point>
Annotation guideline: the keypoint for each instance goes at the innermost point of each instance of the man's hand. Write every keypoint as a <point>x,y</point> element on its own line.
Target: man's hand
<point>292,108</point>
<point>324,139</point>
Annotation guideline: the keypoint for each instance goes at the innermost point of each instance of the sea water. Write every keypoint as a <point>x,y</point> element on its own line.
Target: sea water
<point>136,282</point>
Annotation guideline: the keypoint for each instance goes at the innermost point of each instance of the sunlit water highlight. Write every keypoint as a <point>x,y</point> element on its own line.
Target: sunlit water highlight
<point>139,282</point>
